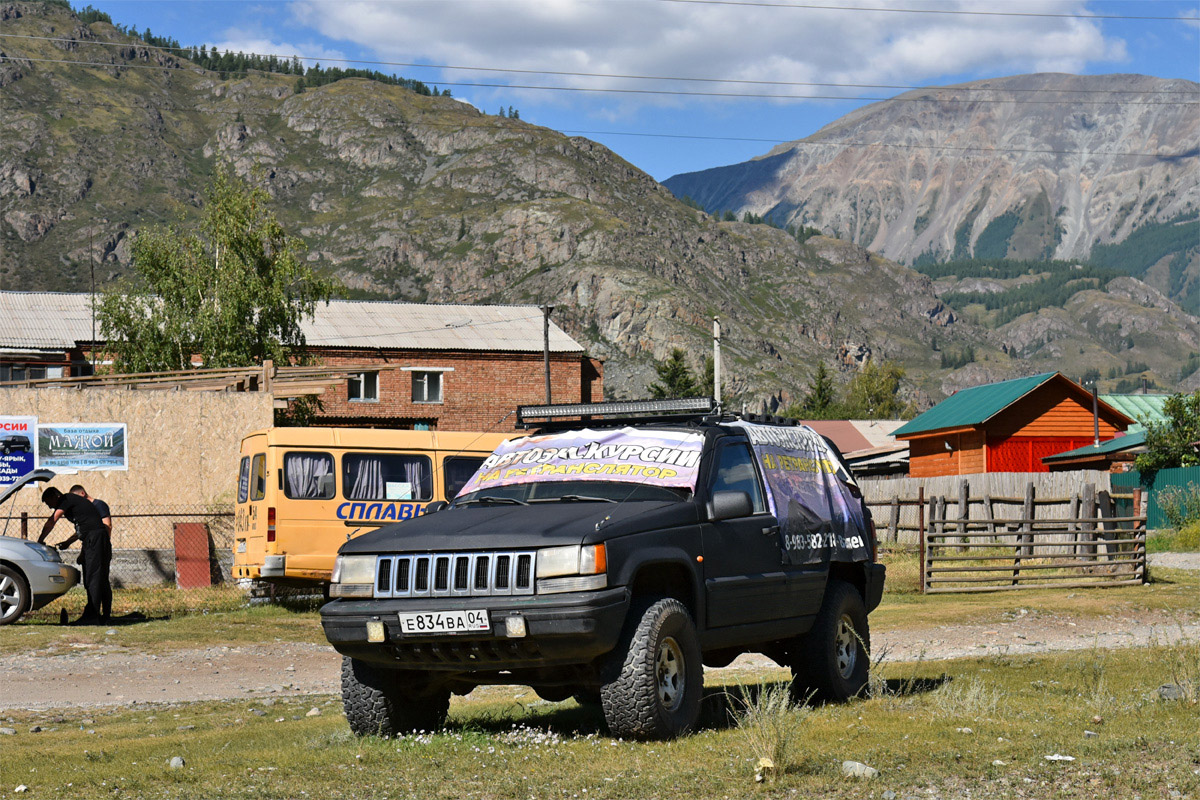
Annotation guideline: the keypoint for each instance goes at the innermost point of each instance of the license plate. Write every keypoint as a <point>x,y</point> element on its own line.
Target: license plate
<point>445,622</point>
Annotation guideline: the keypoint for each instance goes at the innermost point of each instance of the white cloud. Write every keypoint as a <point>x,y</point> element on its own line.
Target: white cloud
<point>739,42</point>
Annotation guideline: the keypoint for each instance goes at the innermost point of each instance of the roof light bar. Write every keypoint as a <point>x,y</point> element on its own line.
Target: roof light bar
<point>684,405</point>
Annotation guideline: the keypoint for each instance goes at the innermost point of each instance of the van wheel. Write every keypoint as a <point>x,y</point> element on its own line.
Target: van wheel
<point>832,661</point>
<point>655,674</point>
<point>380,702</point>
<point>14,595</point>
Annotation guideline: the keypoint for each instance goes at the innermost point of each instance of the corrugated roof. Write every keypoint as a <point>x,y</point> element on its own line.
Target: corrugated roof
<point>1138,407</point>
<point>60,320</point>
<point>1127,442</point>
<point>973,406</point>
<point>30,320</point>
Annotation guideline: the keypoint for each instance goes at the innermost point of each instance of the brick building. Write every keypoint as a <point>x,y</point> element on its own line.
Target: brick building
<point>447,367</point>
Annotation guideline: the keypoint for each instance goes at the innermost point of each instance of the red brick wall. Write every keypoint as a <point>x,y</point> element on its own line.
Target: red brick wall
<point>476,396</point>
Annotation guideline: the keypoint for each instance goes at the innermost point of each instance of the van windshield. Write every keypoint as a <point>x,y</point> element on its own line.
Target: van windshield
<point>573,491</point>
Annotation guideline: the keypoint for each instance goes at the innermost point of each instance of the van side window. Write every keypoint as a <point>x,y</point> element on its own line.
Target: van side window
<point>308,476</point>
<point>735,472</point>
<point>456,471</point>
<point>244,480</point>
<point>258,477</point>
<point>385,476</point>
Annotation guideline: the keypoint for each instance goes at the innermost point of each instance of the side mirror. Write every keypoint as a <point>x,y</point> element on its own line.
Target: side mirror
<point>434,507</point>
<point>729,505</point>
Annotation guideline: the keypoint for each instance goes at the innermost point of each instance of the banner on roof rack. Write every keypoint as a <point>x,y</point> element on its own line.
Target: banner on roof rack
<point>810,493</point>
<point>625,455</point>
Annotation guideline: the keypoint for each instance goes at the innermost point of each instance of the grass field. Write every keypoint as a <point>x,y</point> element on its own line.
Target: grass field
<point>980,728</point>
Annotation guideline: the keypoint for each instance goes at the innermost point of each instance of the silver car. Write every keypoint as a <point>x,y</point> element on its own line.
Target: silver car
<point>31,574</point>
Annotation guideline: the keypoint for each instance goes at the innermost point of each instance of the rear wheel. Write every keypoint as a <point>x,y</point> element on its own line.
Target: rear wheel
<point>832,661</point>
<point>656,674</point>
<point>14,595</point>
<point>380,702</point>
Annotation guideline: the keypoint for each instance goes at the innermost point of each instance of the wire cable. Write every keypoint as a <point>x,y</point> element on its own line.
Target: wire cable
<point>607,75</point>
<point>944,11</point>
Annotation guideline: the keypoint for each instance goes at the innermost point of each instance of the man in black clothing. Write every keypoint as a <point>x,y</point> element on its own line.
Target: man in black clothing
<point>97,550</point>
<point>106,518</point>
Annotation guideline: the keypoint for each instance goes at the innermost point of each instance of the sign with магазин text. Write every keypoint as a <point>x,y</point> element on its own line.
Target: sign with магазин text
<point>82,446</point>
<point>18,448</point>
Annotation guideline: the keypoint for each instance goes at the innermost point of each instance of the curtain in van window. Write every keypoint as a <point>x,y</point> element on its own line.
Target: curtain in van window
<point>364,476</point>
<point>416,472</point>
<point>306,475</point>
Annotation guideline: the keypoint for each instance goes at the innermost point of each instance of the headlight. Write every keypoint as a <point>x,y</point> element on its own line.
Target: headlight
<point>45,552</point>
<point>354,569</point>
<point>553,562</point>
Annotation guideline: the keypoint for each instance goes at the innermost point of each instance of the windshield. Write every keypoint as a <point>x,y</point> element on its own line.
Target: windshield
<point>573,491</point>
<point>578,460</point>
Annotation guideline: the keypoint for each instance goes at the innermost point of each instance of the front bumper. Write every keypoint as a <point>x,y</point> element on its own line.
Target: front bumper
<point>562,629</point>
<point>49,580</point>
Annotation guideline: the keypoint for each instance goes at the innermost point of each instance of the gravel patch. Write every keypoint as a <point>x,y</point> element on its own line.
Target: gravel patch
<point>1174,560</point>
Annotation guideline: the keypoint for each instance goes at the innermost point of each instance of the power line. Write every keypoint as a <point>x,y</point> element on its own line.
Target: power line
<point>945,11</point>
<point>609,75</point>
<point>383,119</point>
<point>678,92</point>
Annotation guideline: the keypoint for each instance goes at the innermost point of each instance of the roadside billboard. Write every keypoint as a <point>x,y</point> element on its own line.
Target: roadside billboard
<point>18,448</point>
<point>79,446</point>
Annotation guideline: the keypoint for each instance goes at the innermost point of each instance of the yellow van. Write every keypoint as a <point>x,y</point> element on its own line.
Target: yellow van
<point>302,492</point>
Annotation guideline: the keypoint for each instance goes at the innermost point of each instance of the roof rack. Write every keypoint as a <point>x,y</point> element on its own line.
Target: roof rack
<point>613,412</point>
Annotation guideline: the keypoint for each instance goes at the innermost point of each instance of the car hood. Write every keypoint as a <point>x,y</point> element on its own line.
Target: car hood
<point>502,527</point>
<point>29,477</point>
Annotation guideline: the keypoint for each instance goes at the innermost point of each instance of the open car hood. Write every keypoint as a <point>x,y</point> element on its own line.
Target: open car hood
<point>27,478</point>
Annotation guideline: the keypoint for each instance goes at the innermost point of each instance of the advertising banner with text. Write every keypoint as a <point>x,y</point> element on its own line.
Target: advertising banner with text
<point>82,446</point>
<point>18,448</point>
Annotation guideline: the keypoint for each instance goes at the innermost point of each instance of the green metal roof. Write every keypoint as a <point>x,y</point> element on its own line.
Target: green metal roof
<point>1138,407</point>
<point>973,406</point>
<point>1126,442</point>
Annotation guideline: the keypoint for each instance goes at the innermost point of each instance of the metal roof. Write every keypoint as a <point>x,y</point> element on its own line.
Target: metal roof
<point>1138,407</point>
<point>61,320</point>
<point>1127,442</point>
<point>39,320</point>
<point>973,406</point>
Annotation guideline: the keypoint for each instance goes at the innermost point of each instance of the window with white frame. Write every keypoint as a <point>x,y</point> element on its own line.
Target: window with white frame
<point>363,387</point>
<point>426,387</point>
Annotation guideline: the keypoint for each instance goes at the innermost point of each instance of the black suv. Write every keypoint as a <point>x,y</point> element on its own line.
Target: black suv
<point>609,560</point>
<point>15,442</point>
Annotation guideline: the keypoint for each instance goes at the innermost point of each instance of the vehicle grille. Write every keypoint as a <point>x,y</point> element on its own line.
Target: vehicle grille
<point>455,575</point>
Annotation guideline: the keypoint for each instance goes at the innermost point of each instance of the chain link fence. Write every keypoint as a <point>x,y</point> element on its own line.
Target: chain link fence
<point>166,560</point>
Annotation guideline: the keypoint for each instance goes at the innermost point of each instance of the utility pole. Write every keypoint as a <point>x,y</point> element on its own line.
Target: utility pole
<point>546,309</point>
<point>717,361</point>
<point>92,265</point>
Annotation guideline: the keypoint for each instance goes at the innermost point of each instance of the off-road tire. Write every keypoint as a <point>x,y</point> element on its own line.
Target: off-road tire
<point>15,596</point>
<point>831,662</point>
<point>655,676</point>
<point>388,703</point>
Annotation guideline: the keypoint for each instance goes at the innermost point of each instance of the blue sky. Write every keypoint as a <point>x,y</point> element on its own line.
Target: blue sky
<point>728,45</point>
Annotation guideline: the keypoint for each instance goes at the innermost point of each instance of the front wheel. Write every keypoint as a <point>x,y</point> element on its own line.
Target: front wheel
<point>14,595</point>
<point>832,661</point>
<point>388,703</point>
<point>655,675</point>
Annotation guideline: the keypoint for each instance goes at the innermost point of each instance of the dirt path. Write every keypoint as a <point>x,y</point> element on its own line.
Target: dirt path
<point>104,675</point>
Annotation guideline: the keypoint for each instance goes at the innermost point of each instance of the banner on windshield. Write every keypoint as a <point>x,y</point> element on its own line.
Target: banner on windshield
<point>625,455</point>
<point>820,518</point>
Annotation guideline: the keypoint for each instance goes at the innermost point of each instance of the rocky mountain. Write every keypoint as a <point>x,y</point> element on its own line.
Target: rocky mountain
<point>416,197</point>
<point>1025,167</point>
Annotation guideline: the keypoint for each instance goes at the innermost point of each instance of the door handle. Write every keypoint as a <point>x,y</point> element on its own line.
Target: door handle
<point>770,531</point>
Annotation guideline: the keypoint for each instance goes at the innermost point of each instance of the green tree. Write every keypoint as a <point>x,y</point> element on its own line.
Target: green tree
<point>1169,443</point>
<point>233,293</point>
<point>873,392</point>
<point>675,379</point>
<point>821,401</point>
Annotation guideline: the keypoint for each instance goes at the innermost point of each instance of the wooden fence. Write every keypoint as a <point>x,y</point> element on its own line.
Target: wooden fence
<point>993,542</point>
<point>1092,548</point>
